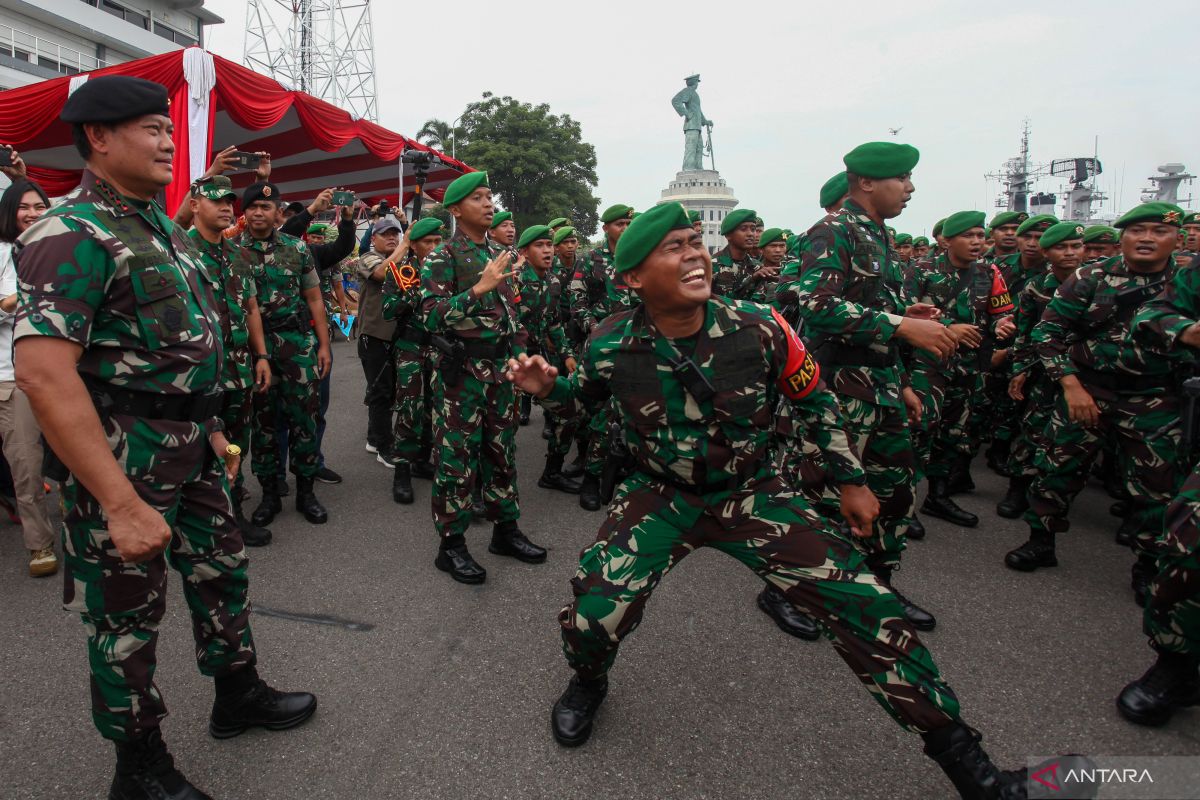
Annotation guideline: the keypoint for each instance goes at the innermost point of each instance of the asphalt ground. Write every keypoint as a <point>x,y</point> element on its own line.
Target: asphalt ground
<point>430,689</point>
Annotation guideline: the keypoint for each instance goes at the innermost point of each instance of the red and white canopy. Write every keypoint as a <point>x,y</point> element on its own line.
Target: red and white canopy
<point>216,103</point>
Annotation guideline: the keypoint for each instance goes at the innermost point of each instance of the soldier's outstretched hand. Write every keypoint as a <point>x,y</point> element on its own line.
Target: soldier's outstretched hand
<point>923,311</point>
<point>531,374</point>
<point>138,531</point>
<point>493,274</point>
<point>927,335</point>
<point>860,507</point>
<point>1016,387</point>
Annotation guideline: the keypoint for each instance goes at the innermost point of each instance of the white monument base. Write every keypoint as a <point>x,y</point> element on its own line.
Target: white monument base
<point>703,190</point>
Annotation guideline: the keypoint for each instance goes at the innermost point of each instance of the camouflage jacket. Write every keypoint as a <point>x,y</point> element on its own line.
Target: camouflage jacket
<point>401,290</point>
<point>450,308</point>
<point>283,269</point>
<point>851,294</point>
<point>975,296</point>
<point>120,279</point>
<point>732,278</point>
<point>1158,325</point>
<point>765,290</point>
<point>1033,301</point>
<point>1016,275</point>
<point>228,264</point>
<point>563,274</point>
<point>1087,322</point>
<point>538,304</point>
<point>596,291</point>
<point>746,354</point>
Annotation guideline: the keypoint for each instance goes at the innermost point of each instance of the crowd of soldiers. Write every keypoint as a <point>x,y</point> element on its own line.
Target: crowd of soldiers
<point>780,401</point>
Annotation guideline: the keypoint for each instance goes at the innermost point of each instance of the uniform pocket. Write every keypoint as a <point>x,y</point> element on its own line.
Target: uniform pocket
<point>162,307</point>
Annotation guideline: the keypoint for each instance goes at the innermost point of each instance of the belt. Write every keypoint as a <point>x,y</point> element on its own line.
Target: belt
<point>411,333</point>
<point>744,475</point>
<point>844,355</point>
<point>289,322</point>
<point>111,399</point>
<point>1125,383</point>
<point>479,350</point>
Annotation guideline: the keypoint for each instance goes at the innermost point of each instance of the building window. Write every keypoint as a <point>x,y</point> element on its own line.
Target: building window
<point>173,35</point>
<point>121,12</point>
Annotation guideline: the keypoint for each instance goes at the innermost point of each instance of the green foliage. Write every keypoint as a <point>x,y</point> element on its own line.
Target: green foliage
<point>439,211</point>
<point>437,133</point>
<point>538,165</point>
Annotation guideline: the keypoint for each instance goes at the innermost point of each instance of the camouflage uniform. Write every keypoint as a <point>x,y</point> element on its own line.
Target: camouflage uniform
<point>703,479</point>
<point>1084,331</point>
<point>118,278</point>
<point>851,303</point>
<point>1040,394</point>
<point>412,435</point>
<point>473,417</point>
<point>562,431</point>
<point>732,278</point>
<point>283,269</point>
<point>1172,615</point>
<point>539,304</point>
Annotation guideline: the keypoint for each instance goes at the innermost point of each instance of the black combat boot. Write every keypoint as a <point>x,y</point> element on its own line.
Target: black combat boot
<point>572,716</point>
<point>790,619</point>
<point>1119,509</point>
<point>575,468</point>
<point>589,493</point>
<point>1035,553</point>
<point>1143,571</point>
<point>244,700</point>
<point>281,486</point>
<point>959,481</point>
<point>1016,499</point>
<point>956,750</point>
<point>552,477</point>
<point>252,535</point>
<point>938,504</point>
<point>507,540</point>
<point>997,456</point>
<point>146,771</point>
<point>269,506</point>
<point>423,468</point>
<point>1171,684</point>
<point>402,491</point>
<point>916,529</point>
<point>548,426</point>
<point>526,407</point>
<point>307,502</point>
<point>1127,530</point>
<point>918,617</point>
<point>454,558</point>
<point>478,509</point>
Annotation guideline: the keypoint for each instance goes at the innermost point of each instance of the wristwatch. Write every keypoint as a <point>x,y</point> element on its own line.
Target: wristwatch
<point>261,357</point>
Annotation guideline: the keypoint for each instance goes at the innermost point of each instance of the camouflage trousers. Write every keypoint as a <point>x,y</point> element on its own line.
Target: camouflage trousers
<point>1172,616</point>
<point>930,388</point>
<point>597,428</point>
<point>1031,436</point>
<point>802,464</point>
<point>953,433</point>
<point>122,604</point>
<point>998,416</point>
<point>236,406</point>
<point>880,435</point>
<point>292,401</point>
<point>769,528</point>
<point>1147,430</point>
<point>474,430</point>
<point>411,434</point>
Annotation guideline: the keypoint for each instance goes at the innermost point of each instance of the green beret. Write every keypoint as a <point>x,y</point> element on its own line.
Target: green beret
<point>634,215</point>
<point>770,235</point>
<point>694,216</point>
<point>920,241</point>
<point>558,222</point>
<point>1008,218</point>
<point>735,218</point>
<point>834,189</point>
<point>1191,218</point>
<point>937,227</point>
<point>881,159</point>
<point>1038,223</point>
<point>462,186</point>
<point>533,233</point>
<point>1102,234</point>
<point>903,238</point>
<point>1165,213</point>
<point>758,221</point>
<point>564,233</point>
<point>430,226</point>
<point>614,213</point>
<point>645,232</point>
<point>1061,232</point>
<point>961,222</point>
<point>498,217</point>
<point>263,190</point>
<point>318,227</point>
<point>218,187</point>
<point>115,98</point>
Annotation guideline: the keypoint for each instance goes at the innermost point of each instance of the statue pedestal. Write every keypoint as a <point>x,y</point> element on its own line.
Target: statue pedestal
<point>703,190</point>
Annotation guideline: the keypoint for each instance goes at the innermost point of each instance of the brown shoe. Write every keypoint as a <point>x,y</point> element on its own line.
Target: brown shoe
<point>42,562</point>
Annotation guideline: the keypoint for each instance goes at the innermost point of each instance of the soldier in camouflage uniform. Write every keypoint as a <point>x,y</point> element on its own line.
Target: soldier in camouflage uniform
<point>596,292</point>
<point>854,309</point>
<point>1109,386</point>
<point>920,249</point>
<point>118,346</point>
<point>562,432</point>
<point>1003,230</point>
<point>734,264</point>
<point>1063,245</point>
<point>976,308</point>
<point>696,376</point>
<point>246,366</point>
<point>1100,242</point>
<point>468,296</point>
<point>760,285</point>
<point>904,249</point>
<point>297,332</point>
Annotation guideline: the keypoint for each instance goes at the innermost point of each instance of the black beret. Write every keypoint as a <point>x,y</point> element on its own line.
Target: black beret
<point>115,98</point>
<point>260,191</point>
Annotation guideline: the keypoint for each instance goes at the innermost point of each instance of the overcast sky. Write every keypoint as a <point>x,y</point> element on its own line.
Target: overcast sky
<point>792,87</point>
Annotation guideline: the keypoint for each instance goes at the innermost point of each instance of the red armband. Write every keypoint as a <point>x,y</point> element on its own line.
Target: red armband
<point>800,372</point>
<point>999,299</point>
<point>405,276</point>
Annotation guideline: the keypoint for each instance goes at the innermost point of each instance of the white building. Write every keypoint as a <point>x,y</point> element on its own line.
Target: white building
<point>705,191</point>
<point>50,38</point>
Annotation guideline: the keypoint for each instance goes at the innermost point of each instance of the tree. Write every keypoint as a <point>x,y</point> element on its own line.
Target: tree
<point>537,163</point>
<point>437,133</point>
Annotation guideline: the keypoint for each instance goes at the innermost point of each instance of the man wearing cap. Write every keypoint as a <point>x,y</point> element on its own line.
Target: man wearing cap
<point>297,330</point>
<point>561,432</point>
<point>246,365</point>
<point>1100,242</point>
<point>555,224</point>
<point>1034,395</point>
<point>904,248</point>
<point>854,310</point>
<point>469,295</point>
<point>1003,228</point>
<point>733,265</point>
<point>397,261</point>
<point>503,231</point>
<point>920,248</point>
<point>697,220</point>
<point>1111,386</point>
<point>375,335</point>
<point>760,284</point>
<point>119,349</point>
<point>977,309</point>
<point>696,376</point>
<point>833,194</point>
<point>939,240</point>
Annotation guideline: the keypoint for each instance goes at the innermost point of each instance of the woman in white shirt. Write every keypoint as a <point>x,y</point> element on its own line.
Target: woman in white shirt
<point>21,205</point>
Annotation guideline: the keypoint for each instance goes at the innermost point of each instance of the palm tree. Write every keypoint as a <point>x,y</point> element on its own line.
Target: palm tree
<point>436,133</point>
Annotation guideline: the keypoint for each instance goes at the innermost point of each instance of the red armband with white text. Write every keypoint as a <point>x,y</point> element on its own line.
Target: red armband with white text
<point>800,372</point>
